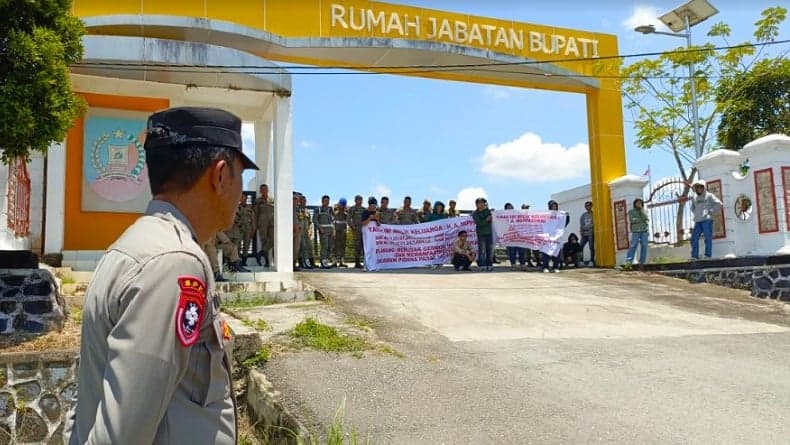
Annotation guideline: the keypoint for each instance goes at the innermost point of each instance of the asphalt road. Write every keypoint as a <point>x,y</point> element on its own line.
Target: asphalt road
<point>577,357</point>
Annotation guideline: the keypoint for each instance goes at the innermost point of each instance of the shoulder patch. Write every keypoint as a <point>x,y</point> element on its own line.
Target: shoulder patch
<point>190,310</point>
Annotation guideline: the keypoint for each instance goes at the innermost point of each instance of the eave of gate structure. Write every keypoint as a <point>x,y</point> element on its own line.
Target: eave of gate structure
<point>370,54</point>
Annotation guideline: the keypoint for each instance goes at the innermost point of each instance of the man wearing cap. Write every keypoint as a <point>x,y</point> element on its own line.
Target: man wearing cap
<point>154,365</point>
<point>406,214</point>
<point>355,221</point>
<point>323,219</point>
<point>264,224</point>
<point>306,251</point>
<point>422,214</point>
<point>341,228</point>
<point>242,232</point>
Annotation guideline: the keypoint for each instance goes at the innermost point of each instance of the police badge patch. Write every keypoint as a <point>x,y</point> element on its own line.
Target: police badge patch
<point>191,307</point>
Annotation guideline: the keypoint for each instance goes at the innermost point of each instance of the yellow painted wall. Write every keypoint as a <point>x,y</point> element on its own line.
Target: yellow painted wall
<point>322,18</point>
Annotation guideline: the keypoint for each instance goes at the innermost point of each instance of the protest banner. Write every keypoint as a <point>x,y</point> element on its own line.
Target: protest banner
<point>399,247</point>
<point>542,231</point>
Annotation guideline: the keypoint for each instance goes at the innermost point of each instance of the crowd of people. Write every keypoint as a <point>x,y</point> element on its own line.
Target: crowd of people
<point>334,223</point>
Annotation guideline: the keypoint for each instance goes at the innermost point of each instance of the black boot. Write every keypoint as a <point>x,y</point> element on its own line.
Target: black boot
<point>258,258</point>
<point>244,260</point>
<point>307,264</point>
<point>219,278</point>
<point>265,259</point>
<point>239,268</point>
<point>356,263</point>
<point>312,262</point>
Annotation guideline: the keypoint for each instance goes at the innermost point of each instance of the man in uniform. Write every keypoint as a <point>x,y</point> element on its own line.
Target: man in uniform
<point>246,221</point>
<point>210,248</point>
<point>427,209</point>
<point>306,251</point>
<point>406,214</point>
<point>386,214</point>
<point>355,221</point>
<point>297,230</point>
<point>341,228</point>
<point>234,234</point>
<point>264,222</point>
<point>452,212</point>
<point>154,365</point>
<point>323,219</point>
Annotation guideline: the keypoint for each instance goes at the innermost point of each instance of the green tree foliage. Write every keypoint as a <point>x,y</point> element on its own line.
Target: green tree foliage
<point>755,103</point>
<point>658,91</point>
<point>39,39</point>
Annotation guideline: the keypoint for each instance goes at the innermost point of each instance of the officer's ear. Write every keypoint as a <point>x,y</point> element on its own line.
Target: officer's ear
<point>219,173</point>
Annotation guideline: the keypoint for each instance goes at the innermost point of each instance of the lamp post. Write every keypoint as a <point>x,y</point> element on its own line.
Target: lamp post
<point>682,19</point>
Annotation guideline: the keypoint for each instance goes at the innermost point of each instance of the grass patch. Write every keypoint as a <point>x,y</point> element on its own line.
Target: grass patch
<point>260,357</point>
<point>312,334</point>
<point>361,322</point>
<point>75,314</point>
<point>67,280</point>
<point>258,325</point>
<point>242,302</point>
<point>665,260</point>
<point>387,349</point>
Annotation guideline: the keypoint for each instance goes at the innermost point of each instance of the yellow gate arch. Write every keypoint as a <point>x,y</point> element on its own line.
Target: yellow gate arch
<point>404,40</point>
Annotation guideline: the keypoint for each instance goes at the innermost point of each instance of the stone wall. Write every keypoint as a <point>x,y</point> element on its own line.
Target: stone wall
<point>36,392</point>
<point>29,302</point>
<point>772,282</point>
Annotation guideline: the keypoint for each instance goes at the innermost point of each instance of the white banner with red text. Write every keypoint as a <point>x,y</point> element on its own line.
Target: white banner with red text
<point>542,231</point>
<point>399,247</point>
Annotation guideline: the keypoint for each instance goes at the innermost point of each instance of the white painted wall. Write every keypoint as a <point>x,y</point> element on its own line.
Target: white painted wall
<point>572,201</point>
<point>742,237</point>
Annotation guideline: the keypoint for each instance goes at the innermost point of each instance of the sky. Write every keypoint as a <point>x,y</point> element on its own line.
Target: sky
<point>378,135</point>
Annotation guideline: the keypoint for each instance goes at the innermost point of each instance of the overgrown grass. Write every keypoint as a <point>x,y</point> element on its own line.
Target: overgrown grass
<point>312,334</point>
<point>361,322</point>
<point>665,260</point>
<point>240,302</point>
<point>67,279</point>
<point>258,325</point>
<point>260,357</point>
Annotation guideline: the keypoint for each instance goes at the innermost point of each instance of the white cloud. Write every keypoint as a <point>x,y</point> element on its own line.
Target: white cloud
<point>466,197</point>
<point>382,190</point>
<point>530,159</point>
<point>306,144</point>
<point>644,15</point>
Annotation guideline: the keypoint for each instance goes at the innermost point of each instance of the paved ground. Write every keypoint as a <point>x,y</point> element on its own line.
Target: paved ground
<point>578,357</point>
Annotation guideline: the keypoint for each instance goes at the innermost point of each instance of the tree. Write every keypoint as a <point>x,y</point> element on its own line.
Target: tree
<point>658,92</point>
<point>755,103</point>
<point>38,41</point>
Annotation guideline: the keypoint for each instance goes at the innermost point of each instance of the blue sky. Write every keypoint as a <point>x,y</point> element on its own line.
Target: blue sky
<point>396,135</point>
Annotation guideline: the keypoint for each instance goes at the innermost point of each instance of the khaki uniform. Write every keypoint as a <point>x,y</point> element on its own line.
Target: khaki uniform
<point>264,223</point>
<point>355,221</point>
<point>341,228</point>
<point>407,216</point>
<point>422,215</point>
<point>386,216</point>
<point>228,247</point>
<point>210,249</point>
<point>324,220</point>
<point>245,220</point>
<point>306,250</point>
<point>154,357</point>
<point>452,213</point>
<point>297,234</point>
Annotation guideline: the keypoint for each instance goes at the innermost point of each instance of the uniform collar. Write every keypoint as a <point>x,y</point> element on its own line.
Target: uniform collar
<point>157,207</point>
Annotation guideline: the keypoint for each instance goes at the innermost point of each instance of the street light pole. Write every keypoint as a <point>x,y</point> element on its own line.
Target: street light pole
<point>694,104</point>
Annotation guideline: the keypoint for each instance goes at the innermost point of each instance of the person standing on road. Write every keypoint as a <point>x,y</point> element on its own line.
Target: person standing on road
<point>485,235</point>
<point>586,230</point>
<point>638,222</point>
<point>154,365</point>
<point>323,219</point>
<point>703,206</point>
<point>386,214</point>
<point>406,214</point>
<point>369,216</point>
<point>355,221</point>
<point>264,222</point>
<point>341,229</point>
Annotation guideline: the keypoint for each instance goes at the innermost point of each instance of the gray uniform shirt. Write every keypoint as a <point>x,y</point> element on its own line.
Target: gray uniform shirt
<point>703,206</point>
<point>138,382</point>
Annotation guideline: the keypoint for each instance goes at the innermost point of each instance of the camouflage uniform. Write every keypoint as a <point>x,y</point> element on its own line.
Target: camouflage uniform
<point>341,228</point>
<point>323,219</point>
<point>246,221</point>
<point>264,223</point>
<point>386,216</point>
<point>407,216</point>
<point>355,221</point>
<point>306,250</point>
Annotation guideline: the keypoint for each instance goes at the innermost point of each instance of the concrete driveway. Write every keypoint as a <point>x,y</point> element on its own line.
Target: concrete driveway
<point>578,357</point>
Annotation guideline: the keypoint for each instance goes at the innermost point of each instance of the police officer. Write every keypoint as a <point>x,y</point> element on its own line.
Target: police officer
<point>306,251</point>
<point>425,211</point>
<point>246,222</point>
<point>452,212</point>
<point>297,230</point>
<point>341,228</point>
<point>210,248</point>
<point>355,221</point>
<point>264,224</point>
<point>406,214</point>
<point>386,214</point>
<point>234,234</point>
<point>154,365</point>
<point>323,219</point>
